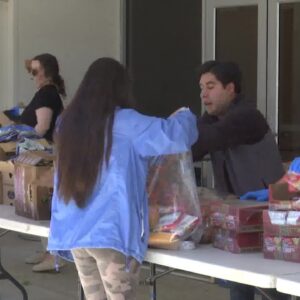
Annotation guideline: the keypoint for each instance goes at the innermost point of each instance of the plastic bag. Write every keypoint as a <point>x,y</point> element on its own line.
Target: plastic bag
<point>174,212</point>
<point>17,132</point>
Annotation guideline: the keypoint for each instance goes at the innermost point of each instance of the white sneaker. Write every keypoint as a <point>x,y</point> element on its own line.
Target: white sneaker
<point>35,258</point>
<point>48,264</point>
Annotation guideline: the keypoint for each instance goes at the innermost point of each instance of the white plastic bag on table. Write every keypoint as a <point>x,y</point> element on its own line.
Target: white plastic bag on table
<point>174,212</point>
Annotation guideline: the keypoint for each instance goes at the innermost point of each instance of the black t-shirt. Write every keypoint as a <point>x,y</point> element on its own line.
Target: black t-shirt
<point>47,96</point>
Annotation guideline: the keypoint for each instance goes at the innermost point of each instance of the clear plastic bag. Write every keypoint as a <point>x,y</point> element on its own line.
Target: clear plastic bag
<point>174,212</point>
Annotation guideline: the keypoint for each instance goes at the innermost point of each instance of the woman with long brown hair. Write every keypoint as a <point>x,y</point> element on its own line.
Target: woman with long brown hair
<point>100,204</point>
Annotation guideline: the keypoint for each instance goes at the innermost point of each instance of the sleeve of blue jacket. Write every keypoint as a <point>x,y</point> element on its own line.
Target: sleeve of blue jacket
<point>168,136</point>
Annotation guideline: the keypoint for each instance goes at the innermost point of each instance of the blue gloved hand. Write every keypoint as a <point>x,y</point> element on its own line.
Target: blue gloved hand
<point>259,195</point>
<point>295,165</point>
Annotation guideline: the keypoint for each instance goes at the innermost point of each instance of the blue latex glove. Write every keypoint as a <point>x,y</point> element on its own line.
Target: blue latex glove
<point>260,195</point>
<point>295,165</point>
<point>16,111</point>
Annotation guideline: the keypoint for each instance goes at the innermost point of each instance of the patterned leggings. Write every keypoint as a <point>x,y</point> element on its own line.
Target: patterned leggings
<point>105,274</point>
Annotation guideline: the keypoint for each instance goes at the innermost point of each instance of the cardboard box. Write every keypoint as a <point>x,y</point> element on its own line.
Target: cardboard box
<point>7,166</point>
<point>7,150</point>
<point>35,158</point>
<point>8,178</point>
<point>206,207</point>
<point>281,198</point>
<point>238,242</point>
<point>7,169</point>
<point>40,198</point>
<point>1,189</point>
<point>8,194</point>
<point>4,120</point>
<point>239,216</point>
<point>281,223</point>
<point>283,248</point>
<point>291,249</point>
<point>28,196</point>
<point>272,247</point>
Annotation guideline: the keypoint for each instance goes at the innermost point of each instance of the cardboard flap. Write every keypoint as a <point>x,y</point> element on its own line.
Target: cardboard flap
<point>4,120</point>
<point>7,166</point>
<point>9,147</point>
<point>34,158</point>
<point>280,191</point>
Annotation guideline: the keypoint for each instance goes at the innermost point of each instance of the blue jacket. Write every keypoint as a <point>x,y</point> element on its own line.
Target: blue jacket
<point>116,214</point>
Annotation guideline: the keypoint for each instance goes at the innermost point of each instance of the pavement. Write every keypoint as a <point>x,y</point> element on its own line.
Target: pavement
<point>64,285</point>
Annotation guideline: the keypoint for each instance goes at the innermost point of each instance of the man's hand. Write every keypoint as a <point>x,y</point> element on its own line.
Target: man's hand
<point>259,195</point>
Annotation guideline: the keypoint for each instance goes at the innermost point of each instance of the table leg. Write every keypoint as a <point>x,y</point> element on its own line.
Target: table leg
<point>152,282</point>
<point>5,275</point>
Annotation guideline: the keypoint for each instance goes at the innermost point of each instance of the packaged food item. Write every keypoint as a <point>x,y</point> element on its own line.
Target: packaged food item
<point>293,218</point>
<point>283,196</point>
<point>164,240</point>
<point>208,229</point>
<point>291,248</point>
<point>293,181</point>
<point>237,242</point>
<point>173,199</point>
<point>187,245</point>
<point>283,248</point>
<point>272,247</point>
<point>281,223</point>
<point>238,216</point>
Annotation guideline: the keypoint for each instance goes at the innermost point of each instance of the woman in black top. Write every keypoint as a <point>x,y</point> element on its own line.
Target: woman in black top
<point>41,114</point>
<point>46,105</point>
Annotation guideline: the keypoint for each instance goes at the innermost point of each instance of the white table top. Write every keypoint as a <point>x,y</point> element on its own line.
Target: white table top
<point>10,221</point>
<point>247,268</point>
<point>289,284</point>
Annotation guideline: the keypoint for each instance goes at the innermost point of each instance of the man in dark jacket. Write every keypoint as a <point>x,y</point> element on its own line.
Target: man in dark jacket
<point>243,151</point>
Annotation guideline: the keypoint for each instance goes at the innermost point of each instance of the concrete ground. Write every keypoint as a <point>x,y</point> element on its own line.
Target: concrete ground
<point>63,285</point>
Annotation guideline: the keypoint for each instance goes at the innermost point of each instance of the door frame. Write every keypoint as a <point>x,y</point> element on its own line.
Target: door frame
<point>273,61</point>
<point>209,40</point>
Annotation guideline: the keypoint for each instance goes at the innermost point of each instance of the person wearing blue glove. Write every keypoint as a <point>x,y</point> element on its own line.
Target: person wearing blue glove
<point>243,150</point>
<point>263,194</point>
<point>259,195</point>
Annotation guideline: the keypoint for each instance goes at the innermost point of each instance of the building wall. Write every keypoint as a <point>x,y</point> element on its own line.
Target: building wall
<point>5,97</point>
<point>75,31</point>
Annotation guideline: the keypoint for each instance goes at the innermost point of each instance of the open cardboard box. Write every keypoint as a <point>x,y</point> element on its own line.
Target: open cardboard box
<point>280,198</point>
<point>237,215</point>
<point>34,158</point>
<point>39,198</point>
<point>7,150</point>
<point>33,184</point>
<point>4,120</point>
<point>281,223</point>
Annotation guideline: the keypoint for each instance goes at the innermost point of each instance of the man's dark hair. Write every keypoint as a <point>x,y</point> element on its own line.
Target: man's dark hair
<point>225,72</point>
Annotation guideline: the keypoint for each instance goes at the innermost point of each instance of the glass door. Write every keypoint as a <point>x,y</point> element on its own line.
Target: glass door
<point>283,92</point>
<point>236,31</point>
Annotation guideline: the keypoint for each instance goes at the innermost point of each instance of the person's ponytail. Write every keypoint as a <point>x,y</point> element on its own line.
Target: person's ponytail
<point>60,85</point>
